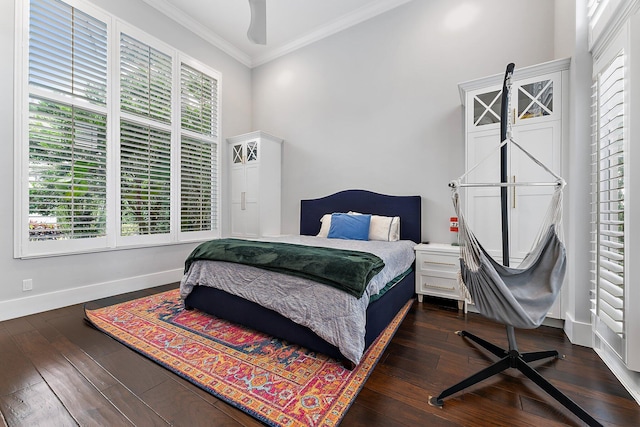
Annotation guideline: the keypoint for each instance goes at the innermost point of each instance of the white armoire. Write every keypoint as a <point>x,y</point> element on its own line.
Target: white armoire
<point>255,173</point>
<point>538,114</point>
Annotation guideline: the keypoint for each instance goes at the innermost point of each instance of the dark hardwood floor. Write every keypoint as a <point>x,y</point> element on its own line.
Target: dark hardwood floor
<point>56,371</point>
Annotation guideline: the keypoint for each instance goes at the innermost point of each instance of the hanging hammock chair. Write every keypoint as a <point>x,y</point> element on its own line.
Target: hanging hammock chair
<point>522,296</point>
<point>516,297</point>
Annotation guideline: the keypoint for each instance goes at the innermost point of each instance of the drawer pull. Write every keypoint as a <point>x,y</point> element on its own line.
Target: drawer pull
<point>436,286</point>
<point>438,263</point>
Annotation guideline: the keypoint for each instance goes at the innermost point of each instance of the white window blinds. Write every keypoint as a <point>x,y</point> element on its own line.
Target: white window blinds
<point>67,137</point>
<point>198,166</point>
<point>608,196</point>
<point>198,153</point>
<point>145,80</point>
<point>67,51</point>
<point>199,102</point>
<point>67,171</point>
<point>145,179</point>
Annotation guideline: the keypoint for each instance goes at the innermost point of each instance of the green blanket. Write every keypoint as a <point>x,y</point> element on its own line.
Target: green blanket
<point>347,270</point>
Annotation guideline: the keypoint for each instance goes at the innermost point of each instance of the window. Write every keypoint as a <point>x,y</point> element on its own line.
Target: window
<point>198,154</point>
<point>614,290</point>
<point>145,139</point>
<point>67,125</point>
<point>110,159</point>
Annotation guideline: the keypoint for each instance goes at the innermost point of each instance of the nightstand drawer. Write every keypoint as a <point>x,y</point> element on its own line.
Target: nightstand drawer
<point>435,258</point>
<point>430,263</point>
<point>439,286</point>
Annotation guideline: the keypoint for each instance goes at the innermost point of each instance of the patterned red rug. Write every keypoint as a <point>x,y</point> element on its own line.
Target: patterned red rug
<point>278,383</point>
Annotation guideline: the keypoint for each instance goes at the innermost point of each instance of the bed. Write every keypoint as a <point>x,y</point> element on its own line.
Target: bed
<point>380,310</point>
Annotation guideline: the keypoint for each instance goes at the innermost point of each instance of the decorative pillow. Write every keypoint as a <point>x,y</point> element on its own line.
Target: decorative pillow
<point>326,224</point>
<point>352,227</point>
<point>385,228</point>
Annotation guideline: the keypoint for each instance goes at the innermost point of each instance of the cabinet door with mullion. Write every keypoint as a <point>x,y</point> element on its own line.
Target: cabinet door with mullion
<point>483,109</point>
<point>536,99</point>
<point>532,100</point>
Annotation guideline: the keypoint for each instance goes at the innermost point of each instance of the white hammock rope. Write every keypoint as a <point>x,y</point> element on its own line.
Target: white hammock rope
<point>460,181</point>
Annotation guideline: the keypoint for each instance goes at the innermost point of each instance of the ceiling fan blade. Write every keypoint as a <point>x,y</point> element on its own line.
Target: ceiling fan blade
<point>257,32</point>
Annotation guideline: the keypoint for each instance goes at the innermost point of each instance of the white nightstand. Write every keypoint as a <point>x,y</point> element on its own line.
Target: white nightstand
<point>437,267</point>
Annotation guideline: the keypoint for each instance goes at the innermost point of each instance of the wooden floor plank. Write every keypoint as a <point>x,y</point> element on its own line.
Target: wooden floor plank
<point>16,371</point>
<point>133,370</point>
<point>35,405</point>
<point>68,384</point>
<point>121,397</point>
<point>136,409</point>
<point>180,406</point>
<point>98,376</point>
<point>373,408</point>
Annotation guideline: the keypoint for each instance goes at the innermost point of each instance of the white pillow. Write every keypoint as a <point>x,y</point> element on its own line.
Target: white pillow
<point>385,228</point>
<point>326,225</point>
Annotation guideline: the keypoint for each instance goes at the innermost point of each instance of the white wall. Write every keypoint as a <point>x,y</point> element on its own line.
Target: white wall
<point>65,280</point>
<point>564,30</point>
<point>377,106</point>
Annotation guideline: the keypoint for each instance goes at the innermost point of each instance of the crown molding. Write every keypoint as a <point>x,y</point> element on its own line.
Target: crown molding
<point>353,18</point>
<point>346,21</point>
<point>197,28</point>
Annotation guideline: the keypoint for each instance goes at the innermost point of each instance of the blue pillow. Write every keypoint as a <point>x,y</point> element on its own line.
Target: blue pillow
<point>352,227</point>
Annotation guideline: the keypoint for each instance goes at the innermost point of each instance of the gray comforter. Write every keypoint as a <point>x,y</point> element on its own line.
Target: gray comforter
<point>340,322</point>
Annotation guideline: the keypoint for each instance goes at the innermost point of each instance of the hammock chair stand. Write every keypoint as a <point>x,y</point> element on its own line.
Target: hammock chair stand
<point>511,358</point>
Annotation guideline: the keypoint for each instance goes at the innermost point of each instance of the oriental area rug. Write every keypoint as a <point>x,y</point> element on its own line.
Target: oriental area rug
<point>275,382</point>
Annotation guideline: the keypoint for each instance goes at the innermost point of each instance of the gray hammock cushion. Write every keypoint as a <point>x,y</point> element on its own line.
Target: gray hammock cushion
<point>520,297</point>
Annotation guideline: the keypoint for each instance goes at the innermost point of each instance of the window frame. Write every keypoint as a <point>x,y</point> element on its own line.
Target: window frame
<point>23,246</point>
<point>621,351</point>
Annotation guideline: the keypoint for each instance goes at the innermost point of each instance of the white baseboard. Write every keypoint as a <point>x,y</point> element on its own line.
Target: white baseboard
<point>629,379</point>
<point>579,333</point>
<point>42,302</point>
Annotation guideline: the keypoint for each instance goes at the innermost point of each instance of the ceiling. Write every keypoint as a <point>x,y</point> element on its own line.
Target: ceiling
<point>291,24</point>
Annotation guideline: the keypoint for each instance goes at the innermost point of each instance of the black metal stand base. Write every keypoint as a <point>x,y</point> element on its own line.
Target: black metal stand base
<point>513,359</point>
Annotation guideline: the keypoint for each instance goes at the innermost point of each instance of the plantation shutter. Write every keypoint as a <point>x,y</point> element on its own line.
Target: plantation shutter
<point>67,139</point>
<point>145,143</point>
<point>198,189</point>
<point>198,152</point>
<point>145,80</point>
<point>67,171</point>
<point>609,185</point>
<point>67,51</point>
<point>199,102</point>
<point>145,179</point>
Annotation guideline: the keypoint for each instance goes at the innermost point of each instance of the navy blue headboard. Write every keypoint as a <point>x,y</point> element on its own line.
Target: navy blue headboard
<point>408,208</point>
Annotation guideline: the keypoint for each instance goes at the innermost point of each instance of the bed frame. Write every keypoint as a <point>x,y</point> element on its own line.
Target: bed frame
<point>379,313</point>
